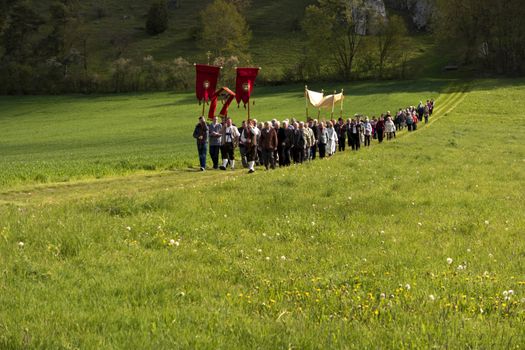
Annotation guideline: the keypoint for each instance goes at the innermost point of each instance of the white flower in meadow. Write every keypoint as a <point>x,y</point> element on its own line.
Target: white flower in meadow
<point>382,295</point>
<point>486,274</point>
<point>21,244</point>
<point>172,241</point>
<point>419,224</point>
<point>277,234</point>
<point>128,228</point>
<point>490,255</point>
<point>481,310</point>
<point>461,268</point>
<point>522,300</point>
<point>313,223</point>
<point>487,222</point>
<point>407,286</point>
<point>283,257</point>
<point>382,232</point>
<point>511,292</point>
<point>350,198</point>
<point>225,215</point>
<point>432,297</point>
<point>177,243</point>
<point>449,261</point>
<point>267,258</point>
<point>259,250</point>
<point>468,250</point>
<point>505,293</point>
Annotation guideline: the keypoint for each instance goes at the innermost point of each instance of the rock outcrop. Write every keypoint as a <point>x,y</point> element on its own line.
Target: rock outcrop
<point>420,10</point>
<point>365,12</point>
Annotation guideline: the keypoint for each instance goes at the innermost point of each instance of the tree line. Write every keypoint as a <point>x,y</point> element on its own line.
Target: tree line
<point>47,52</point>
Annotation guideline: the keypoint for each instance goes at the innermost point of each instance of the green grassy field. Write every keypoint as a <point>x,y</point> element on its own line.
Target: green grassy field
<point>348,252</point>
<point>52,139</point>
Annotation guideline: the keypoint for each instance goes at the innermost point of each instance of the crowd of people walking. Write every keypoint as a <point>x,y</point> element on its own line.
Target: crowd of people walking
<point>275,143</point>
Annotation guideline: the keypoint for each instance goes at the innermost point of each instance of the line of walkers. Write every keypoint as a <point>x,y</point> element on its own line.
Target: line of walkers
<point>292,141</point>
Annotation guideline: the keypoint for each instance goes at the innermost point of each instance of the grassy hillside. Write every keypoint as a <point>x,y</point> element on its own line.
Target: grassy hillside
<point>416,243</point>
<point>63,138</point>
<point>273,24</point>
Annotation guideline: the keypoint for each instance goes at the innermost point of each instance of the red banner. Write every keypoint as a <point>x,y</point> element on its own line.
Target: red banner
<point>244,85</point>
<point>206,81</point>
<point>226,95</point>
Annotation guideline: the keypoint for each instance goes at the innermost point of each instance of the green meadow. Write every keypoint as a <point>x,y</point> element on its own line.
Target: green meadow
<point>111,239</point>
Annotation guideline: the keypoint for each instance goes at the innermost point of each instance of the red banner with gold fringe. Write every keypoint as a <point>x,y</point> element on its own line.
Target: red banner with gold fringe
<point>244,84</point>
<point>206,81</point>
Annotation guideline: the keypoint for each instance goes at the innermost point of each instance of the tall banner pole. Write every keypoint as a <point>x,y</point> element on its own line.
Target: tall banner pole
<point>306,99</point>
<point>319,109</point>
<point>333,104</point>
<point>248,113</point>
<point>342,101</point>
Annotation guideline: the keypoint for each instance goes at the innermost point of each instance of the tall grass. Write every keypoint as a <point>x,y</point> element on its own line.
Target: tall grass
<point>415,243</point>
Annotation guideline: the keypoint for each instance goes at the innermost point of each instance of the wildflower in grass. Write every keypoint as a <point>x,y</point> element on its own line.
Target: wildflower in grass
<point>490,255</point>
<point>128,228</point>
<point>259,250</point>
<point>313,223</point>
<point>432,297</point>
<point>449,261</point>
<point>407,286</point>
<point>382,295</point>
<point>511,292</point>
<point>283,257</point>
<point>382,232</point>
<point>461,267</point>
<point>487,222</point>
<point>21,244</point>
<point>267,258</point>
<point>419,224</point>
<point>174,243</point>
<point>468,250</point>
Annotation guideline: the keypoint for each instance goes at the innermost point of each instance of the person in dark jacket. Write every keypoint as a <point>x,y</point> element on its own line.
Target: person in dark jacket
<point>340,129</point>
<point>268,145</point>
<point>314,125</point>
<point>200,133</point>
<point>380,128</point>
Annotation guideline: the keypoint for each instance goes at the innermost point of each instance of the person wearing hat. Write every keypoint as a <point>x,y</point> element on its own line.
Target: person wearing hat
<point>200,133</point>
<point>215,141</point>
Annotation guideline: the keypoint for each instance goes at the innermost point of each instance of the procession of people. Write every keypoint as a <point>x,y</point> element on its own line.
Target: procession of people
<point>275,143</point>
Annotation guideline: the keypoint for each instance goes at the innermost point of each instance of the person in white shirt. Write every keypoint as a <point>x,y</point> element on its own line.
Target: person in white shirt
<point>229,141</point>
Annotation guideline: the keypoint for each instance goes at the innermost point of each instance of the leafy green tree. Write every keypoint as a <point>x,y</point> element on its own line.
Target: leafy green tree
<point>224,30</point>
<point>389,33</point>
<point>331,31</point>
<point>491,32</point>
<point>157,19</point>
<point>22,22</point>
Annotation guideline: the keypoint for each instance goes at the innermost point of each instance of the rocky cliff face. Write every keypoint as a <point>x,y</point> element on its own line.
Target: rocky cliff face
<point>365,12</point>
<point>419,10</point>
